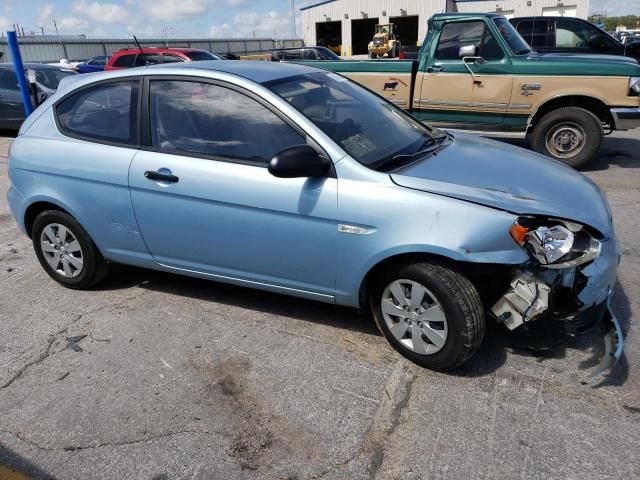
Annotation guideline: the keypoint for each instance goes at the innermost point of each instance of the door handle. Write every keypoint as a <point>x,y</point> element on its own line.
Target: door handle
<point>162,177</point>
<point>435,68</point>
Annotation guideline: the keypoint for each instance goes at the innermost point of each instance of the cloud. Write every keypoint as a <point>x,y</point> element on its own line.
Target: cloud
<point>5,24</point>
<point>45,14</point>
<point>175,9</point>
<point>615,8</point>
<point>249,23</point>
<point>101,12</point>
<point>70,22</point>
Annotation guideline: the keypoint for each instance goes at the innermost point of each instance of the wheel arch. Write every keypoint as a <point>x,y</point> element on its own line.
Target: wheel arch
<point>499,273</point>
<point>595,105</point>
<point>37,207</point>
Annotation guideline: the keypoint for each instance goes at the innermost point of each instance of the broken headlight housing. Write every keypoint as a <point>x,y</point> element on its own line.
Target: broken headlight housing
<point>555,243</point>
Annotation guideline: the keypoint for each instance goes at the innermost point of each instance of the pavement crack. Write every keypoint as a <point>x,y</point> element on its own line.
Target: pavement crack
<point>39,359</point>
<point>75,448</point>
<point>368,459</point>
<point>52,338</point>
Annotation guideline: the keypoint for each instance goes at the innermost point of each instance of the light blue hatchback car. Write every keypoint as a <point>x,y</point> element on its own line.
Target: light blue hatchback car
<point>296,180</point>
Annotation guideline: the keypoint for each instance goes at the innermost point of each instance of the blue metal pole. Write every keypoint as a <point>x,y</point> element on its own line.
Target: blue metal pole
<point>12,40</point>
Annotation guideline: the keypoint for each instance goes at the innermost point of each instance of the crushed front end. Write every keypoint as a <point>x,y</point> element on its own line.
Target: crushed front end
<point>570,277</point>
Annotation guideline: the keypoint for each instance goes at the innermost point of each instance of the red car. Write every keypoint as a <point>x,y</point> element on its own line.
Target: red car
<point>132,57</point>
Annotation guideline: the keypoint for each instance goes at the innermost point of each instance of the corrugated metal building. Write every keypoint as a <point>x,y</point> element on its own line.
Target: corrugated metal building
<point>350,24</point>
<point>39,49</point>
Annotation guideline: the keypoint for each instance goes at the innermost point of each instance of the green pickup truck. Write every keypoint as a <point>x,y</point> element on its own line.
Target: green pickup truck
<point>475,72</point>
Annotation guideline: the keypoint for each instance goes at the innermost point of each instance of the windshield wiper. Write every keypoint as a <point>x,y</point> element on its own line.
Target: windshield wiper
<point>429,146</point>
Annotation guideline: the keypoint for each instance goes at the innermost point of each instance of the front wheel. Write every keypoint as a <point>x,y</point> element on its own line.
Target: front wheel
<point>372,55</point>
<point>429,313</point>
<point>570,135</point>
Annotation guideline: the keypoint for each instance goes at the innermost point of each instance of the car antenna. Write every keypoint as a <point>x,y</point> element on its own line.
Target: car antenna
<point>141,51</point>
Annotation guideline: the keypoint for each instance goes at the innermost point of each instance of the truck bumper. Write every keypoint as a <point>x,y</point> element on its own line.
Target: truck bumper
<point>625,118</point>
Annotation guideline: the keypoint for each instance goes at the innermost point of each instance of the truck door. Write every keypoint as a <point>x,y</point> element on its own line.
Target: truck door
<point>466,87</point>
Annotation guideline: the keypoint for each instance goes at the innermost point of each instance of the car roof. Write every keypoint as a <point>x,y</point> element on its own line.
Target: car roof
<point>253,70</point>
<point>256,71</point>
<point>159,50</point>
<point>295,48</point>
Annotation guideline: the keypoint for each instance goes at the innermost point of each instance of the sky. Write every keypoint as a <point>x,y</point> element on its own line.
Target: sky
<point>182,18</point>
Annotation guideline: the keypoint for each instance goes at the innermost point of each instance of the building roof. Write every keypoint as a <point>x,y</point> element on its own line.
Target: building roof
<point>317,4</point>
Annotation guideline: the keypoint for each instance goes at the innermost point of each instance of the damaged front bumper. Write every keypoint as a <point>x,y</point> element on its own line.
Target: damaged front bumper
<point>579,296</point>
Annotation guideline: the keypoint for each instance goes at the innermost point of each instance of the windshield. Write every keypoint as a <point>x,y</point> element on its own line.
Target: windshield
<point>50,78</point>
<point>516,43</point>
<point>382,29</point>
<point>369,128</point>
<point>198,56</point>
<point>326,54</point>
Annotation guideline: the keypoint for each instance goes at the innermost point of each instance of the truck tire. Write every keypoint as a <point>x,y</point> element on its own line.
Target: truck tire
<point>430,313</point>
<point>372,55</point>
<point>571,135</point>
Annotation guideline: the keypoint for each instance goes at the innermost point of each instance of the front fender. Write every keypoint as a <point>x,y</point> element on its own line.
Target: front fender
<point>410,222</point>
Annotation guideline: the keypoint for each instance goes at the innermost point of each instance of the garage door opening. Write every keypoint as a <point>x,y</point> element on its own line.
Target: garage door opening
<point>407,29</point>
<point>329,34</point>
<point>361,34</point>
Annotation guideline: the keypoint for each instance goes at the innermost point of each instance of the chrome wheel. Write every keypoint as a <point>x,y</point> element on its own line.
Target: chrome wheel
<point>414,317</point>
<point>565,140</point>
<point>61,250</point>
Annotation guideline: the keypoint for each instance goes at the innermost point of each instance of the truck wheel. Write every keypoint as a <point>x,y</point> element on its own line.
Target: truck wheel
<point>570,135</point>
<point>430,314</point>
<point>372,55</point>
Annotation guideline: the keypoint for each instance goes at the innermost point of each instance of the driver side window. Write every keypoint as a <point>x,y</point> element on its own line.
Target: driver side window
<point>571,34</point>
<point>211,120</point>
<point>459,34</point>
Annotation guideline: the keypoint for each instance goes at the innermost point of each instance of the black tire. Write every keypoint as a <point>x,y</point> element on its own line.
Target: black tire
<point>372,55</point>
<point>94,266</point>
<point>569,119</point>
<point>459,300</point>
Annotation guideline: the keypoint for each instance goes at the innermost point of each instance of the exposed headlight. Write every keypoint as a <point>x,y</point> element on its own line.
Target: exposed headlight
<point>554,243</point>
<point>634,86</point>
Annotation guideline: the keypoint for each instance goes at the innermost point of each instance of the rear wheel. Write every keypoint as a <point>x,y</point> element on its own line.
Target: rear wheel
<point>66,252</point>
<point>430,314</point>
<point>570,135</point>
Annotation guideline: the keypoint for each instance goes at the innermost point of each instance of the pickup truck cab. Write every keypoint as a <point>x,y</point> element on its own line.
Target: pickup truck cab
<point>475,72</point>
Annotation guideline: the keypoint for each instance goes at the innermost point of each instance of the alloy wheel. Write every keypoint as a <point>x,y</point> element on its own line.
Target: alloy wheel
<point>414,316</point>
<point>61,249</point>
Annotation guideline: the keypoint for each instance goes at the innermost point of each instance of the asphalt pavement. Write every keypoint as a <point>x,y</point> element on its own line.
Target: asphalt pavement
<point>157,376</point>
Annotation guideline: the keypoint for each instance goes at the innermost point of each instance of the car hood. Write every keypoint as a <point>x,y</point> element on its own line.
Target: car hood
<point>574,64</point>
<point>510,178</point>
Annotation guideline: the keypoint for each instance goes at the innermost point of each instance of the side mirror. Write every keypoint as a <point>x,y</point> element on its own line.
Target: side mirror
<point>467,51</point>
<point>298,161</point>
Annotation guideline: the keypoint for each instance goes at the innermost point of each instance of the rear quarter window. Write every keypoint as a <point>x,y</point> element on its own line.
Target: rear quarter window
<point>106,113</point>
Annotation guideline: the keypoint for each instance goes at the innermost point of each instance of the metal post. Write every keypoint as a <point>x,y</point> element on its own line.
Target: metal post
<point>17,63</point>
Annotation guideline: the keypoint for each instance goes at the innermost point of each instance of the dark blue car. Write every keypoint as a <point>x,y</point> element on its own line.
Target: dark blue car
<point>96,64</point>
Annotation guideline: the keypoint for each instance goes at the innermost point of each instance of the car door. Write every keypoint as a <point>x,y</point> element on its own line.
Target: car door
<point>11,107</point>
<point>573,36</point>
<point>460,92</point>
<point>205,201</point>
